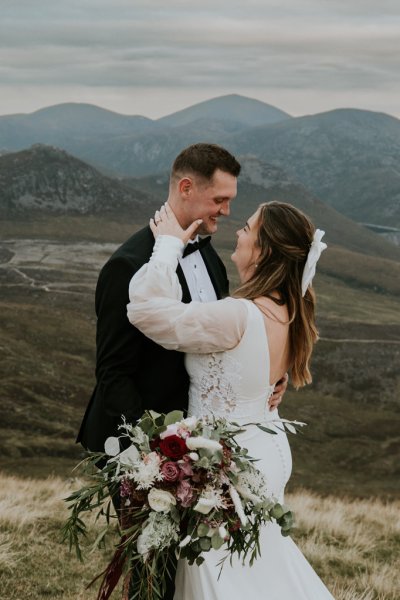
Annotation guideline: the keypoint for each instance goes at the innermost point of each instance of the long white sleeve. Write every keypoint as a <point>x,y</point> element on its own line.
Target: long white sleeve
<point>156,309</point>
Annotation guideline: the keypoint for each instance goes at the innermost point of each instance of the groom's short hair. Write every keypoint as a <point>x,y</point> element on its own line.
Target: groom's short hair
<point>204,160</point>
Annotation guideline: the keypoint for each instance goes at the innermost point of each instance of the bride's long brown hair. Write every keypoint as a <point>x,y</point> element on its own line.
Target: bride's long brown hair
<point>284,237</point>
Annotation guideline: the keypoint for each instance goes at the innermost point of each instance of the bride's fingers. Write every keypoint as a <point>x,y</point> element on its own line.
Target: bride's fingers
<point>191,230</point>
<point>153,227</point>
<point>163,213</point>
<point>168,214</point>
<point>168,211</point>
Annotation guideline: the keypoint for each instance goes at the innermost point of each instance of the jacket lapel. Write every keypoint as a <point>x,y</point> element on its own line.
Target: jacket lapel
<point>216,271</point>
<point>186,297</point>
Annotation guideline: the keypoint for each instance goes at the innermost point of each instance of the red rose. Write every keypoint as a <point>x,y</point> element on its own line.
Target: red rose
<point>173,446</point>
<point>170,471</point>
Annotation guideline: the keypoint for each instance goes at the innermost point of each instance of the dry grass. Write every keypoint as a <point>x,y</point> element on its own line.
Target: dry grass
<point>354,545</point>
<point>33,563</point>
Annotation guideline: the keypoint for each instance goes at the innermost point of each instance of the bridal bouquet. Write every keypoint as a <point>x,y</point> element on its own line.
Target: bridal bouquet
<point>184,487</point>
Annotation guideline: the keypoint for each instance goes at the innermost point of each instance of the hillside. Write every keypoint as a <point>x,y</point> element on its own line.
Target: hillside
<point>261,182</point>
<point>349,158</point>
<point>47,180</point>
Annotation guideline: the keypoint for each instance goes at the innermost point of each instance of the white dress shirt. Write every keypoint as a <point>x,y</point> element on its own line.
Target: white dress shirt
<point>197,278</point>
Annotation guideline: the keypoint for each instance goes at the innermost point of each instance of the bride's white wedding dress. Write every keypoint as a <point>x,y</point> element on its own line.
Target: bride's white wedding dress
<point>233,383</point>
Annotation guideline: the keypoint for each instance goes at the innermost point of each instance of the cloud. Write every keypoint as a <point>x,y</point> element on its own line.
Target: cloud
<point>313,45</point>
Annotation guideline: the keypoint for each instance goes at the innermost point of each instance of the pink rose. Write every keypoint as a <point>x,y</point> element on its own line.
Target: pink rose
<point>170,471</point>
<point>185,493</point>
<point>185,468</point>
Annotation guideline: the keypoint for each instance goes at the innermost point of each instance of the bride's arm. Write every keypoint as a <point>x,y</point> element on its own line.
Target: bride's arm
<point>156,309</point>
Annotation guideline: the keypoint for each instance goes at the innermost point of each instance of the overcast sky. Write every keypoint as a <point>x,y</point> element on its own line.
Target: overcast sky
<point>153,57</point>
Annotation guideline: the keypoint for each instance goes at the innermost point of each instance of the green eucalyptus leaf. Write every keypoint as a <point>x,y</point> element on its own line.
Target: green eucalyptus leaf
<point>266,429</point>
<point>217,542</point>
<point>174,512</point>
<point>173,417</point>
<point>159,430</point>
<point>202,530</point>
<point>205,544</point>
<point>277,511</point>
<point>153,414</point>
<point>146,424</point>
<point>196,547</point>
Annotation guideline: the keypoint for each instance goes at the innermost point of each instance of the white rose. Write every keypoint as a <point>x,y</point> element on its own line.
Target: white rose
<point>190,422</point>
<point>171,430</point>
<point>160,500</point>
<point>194,443</point>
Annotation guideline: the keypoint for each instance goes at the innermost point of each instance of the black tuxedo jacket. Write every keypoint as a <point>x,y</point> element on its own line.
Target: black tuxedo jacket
<point>133,373</point>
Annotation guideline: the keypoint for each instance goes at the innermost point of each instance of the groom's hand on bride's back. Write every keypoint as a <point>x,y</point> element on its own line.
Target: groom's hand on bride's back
<point>279,390</point>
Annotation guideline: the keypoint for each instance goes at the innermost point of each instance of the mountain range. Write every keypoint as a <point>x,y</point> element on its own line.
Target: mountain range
<point>45,180</point>
<point>348,158</point>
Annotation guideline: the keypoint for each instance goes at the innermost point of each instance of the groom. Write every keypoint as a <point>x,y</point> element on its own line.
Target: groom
<point>133,373</point>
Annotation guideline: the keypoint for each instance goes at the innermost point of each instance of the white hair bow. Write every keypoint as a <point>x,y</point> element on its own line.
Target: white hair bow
<point>317,247</point>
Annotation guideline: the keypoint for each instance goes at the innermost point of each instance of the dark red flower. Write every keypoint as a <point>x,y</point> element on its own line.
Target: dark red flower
<point>173,446</point>
<point>125,488</point>
<point>154,444</point>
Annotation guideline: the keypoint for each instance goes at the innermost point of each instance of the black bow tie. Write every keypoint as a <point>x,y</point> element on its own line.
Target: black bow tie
<point>196,246</point>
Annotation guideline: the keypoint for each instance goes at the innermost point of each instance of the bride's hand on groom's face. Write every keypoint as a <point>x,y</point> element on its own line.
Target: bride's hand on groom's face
<point>166,223</point>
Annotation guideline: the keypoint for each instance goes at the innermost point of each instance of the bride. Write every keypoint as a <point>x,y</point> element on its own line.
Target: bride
<point>236,349</point>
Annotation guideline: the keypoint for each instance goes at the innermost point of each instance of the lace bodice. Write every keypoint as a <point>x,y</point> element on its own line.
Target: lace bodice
<point>235,383</point>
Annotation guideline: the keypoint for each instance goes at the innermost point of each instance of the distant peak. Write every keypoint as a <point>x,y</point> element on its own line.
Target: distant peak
<point>232,107</point>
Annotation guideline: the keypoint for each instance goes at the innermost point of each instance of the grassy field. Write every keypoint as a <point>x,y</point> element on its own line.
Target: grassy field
<point>353,545</point>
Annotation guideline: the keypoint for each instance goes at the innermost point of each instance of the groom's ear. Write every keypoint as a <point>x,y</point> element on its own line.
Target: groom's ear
<point>185,186</point>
